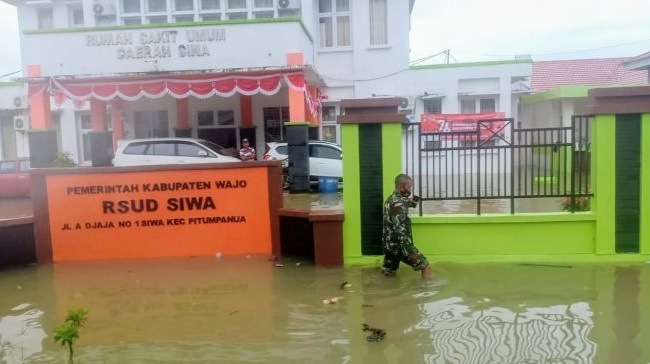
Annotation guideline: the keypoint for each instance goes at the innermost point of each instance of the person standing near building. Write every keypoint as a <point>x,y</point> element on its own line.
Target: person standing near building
<point>397,238</point>
<point>246,153</point>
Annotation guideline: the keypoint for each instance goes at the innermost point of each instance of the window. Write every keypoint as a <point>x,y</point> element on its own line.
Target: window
<point>76,15</point>
<point>151,124</point>
<point>183,18</point>
<point>45,18</point>
<point>157,19</point>
<point>210,4</point>
<point>235,16</point>
<point>467,106</point>
<point>189,150</point>
<point>329,133</point>
<point>432,106</point>
<point>24,165</point>
<point>85,127</point>
<point>131,21</point>
<point>378,22</point>
<point>329,113</point>
<point>210,17</point>
<point>488,105</point>
<point>263,14</point>
<point>284,150</point>
<point>156,5</point>
<point>8,167</point>
<point>236,4</point>
<point>274,119</point>
<point>136,148</point>
<point>263,3</point>
<point>130,6</point>
<point>322,151</point>
<point>206,118</point>
<point>225,118</point>
<point>183,5</point>
<point>334,23</point>
<point>162,149</point>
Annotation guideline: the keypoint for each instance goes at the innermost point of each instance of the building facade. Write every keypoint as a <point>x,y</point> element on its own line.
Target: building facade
<point>226,69</point>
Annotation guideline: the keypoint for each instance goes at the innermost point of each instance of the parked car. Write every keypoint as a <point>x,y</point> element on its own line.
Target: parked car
<point>325,158</point>
<point>14,178</point>
<point>142,152</point>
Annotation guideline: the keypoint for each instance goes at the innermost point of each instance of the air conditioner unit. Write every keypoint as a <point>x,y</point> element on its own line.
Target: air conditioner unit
<point>104,8</point>
<point>289,4</point>
<point>21,123</point>
<point>18,102</point>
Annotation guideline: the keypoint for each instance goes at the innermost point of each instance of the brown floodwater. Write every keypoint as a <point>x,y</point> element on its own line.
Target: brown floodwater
<point>245,310</point>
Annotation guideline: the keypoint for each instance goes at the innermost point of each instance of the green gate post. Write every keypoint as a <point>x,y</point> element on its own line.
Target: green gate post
<point>616,108</point>
<point>371,137</point>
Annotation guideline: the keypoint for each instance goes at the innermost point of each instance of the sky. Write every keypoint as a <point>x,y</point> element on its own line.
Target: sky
<point>480,30</point>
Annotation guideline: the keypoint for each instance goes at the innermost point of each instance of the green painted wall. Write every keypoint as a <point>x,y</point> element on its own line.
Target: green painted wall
<point>392,155</point>
<point>521,234</point>
<point>603,182</point>
<point>645,184</point>
<point>351,188</point>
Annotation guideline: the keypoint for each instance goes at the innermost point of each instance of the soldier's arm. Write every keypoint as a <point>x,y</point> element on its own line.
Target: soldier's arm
<point>400,228</point>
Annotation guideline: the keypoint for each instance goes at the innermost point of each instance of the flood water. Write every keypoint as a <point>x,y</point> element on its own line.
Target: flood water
<point>245,310</point>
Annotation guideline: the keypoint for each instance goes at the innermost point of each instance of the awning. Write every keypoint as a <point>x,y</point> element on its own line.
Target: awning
<point>201,86</point>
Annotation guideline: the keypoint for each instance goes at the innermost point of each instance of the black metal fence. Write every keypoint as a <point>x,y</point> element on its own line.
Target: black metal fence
<point>496,160</point>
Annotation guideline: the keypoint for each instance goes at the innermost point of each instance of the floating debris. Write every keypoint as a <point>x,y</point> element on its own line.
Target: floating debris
<point>376,335</point>
<point>298,264</point>
<point>331,301</point>
<point>279,265</point>
<point>345,284</point>
<point>232,313</point>
<point>218,255</point>
<point>367,305</point>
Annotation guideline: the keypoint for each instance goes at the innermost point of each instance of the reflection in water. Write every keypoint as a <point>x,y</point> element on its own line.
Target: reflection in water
<point>498,335</point>
<point>21,334</point>
<point>244,310</point>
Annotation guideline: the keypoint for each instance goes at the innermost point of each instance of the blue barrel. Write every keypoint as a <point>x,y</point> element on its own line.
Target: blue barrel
<point>328,184</point>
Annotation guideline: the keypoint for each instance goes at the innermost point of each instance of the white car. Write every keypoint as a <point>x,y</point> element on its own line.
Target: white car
<point>143,152</point>
<point>325,158</point>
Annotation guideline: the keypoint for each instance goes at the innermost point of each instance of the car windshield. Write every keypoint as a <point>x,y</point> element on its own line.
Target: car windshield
<point>215,147</point>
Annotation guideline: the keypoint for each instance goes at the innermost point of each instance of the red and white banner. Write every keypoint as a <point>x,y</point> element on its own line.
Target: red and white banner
<point>463,123</point>
<point>179,87</point>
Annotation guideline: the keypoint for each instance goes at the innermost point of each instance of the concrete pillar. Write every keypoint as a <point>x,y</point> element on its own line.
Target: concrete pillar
<point>182,129</point>
<point>42,139</point>
<point>97,112</point>
<point>296,98</point>
<point>39,104</point>
<point>608,105</point>
<point>371,135</point>
<point>117,121</point>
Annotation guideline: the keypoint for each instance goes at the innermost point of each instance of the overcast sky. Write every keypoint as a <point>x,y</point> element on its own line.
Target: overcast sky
<point>480,30</point>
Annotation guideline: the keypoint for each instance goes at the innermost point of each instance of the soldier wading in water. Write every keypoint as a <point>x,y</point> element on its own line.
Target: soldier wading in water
<point>397,236</point>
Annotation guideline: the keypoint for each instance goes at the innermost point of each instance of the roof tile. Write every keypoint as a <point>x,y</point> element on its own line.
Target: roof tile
<point>584,72</point>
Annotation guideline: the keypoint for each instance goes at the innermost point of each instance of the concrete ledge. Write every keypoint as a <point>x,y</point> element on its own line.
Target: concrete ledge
<point>326,234</point>
<point>632,259</point>
<point>16,221</point>
<point>501,218</point>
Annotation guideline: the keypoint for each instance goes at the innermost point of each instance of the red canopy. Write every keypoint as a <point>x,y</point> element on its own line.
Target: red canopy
<point>178,86</point>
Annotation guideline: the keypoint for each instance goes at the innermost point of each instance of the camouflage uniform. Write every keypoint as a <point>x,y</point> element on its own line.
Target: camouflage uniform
<point>398,237</point>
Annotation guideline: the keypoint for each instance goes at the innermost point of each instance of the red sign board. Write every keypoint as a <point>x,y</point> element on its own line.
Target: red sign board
<point>468,123</point>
